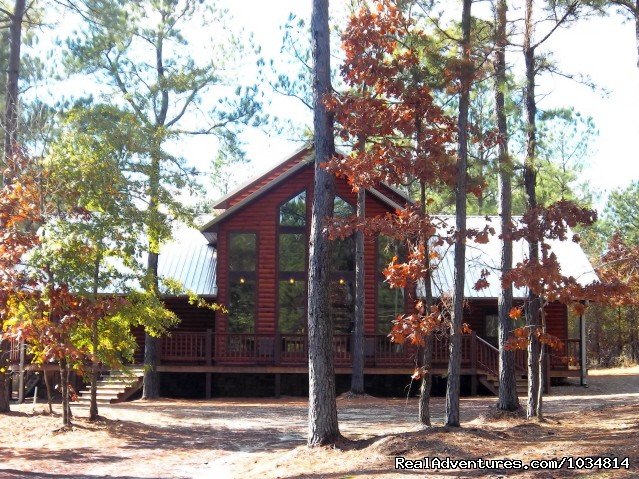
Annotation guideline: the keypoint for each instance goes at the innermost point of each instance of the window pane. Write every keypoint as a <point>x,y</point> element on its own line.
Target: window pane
<point>242,306</point>
<point>242,252</point>
<point>342,306</point>
<point>492,325</point>
<point>387,248</point>
<point>293,212</point>
<point>292,252</point>
<point>292,306</point>
<point>343,254</point>
<point>342,207</point>
<point>390,303</point>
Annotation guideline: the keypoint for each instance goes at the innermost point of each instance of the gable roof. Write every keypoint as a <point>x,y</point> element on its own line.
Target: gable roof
<point>301,159</point>
<point>258,182</point>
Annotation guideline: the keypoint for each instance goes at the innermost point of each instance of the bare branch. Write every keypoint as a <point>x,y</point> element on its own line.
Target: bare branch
<point>569,11</point>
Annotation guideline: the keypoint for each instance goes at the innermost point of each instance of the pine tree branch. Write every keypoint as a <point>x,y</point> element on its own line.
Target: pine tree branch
<point>569,11</point>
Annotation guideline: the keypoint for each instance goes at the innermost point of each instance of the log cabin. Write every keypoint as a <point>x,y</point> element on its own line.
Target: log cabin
<point>252,257</point>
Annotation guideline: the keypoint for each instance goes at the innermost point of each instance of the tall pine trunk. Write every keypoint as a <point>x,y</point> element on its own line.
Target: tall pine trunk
<point>47,385</point>
<point>530,180</point>
<point>454,363</point>
<point>13,76</point>
<point>357,374</point>
<point>151,384</point>
<point>322,407</point>
<point>10,142</point>
<point>5,383</point>
<point>427,355</point>
<point>637,28</point>
<point>508,400</point>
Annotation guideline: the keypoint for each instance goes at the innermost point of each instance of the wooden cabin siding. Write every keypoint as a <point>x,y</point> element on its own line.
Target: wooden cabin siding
<point>261,217</point>
<point>557,320</point>
<point>476,310</point>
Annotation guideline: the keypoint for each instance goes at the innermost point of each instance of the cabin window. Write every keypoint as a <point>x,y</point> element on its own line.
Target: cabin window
<point>343,255</point>
<point>292,306</point>
<point>293,212</point>
<point>342,208</point>
<point>491,328</point>
<point>242,252</point>
<point>390,301</point>
<point>242,282</point>
<point>291,263</point>
<point>342,305</point>
<point>292,252</point>
<point>342,285</point>
<point>242,306</point>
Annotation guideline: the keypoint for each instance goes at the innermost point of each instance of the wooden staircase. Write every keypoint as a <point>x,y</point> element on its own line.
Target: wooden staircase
<point>491,382</point>
<point>114,386</point>
<point>488,367</point>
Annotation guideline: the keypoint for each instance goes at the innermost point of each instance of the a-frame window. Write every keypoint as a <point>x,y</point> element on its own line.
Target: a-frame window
<point>292,265</point>
<point>342,286</point>
<point>242,282</point>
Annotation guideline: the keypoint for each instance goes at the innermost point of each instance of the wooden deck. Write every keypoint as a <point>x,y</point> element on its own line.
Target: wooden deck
<point>208,352</point>
<point>282,353</point>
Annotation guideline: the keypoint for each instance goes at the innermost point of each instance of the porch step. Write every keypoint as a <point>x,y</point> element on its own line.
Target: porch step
<point>491,382</point>
<point>114,386</point>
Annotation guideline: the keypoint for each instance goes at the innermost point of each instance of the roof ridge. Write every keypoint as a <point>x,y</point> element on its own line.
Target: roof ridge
<point>259,176</point>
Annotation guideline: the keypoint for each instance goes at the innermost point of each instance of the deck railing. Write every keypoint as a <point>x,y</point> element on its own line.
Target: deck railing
<point>205,347</point>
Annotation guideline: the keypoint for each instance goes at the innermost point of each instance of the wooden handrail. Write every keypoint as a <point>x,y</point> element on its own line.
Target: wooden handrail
<point>207,348</point>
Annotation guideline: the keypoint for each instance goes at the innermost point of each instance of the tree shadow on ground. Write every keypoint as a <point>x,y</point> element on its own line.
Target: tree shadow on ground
<point>84,455</point>
<point>141,436</point>
<point>19,474</point>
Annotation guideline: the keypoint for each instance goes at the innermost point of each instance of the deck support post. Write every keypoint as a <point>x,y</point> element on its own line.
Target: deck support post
<point>473,363</point>
<point>278,385</point>
<point>583,360</point>
<point>546,386</point>
<point>208,388</point>
<point>277,348</point>
<point>21,373</point>
<point>208,353</point>
<point>208,347</point>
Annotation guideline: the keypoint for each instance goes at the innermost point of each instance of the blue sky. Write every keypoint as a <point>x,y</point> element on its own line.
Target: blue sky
<point>601,48</point>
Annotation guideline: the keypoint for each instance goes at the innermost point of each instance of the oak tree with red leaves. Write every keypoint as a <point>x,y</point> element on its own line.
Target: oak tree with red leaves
<point>402,136</point>
<point>541,275</point>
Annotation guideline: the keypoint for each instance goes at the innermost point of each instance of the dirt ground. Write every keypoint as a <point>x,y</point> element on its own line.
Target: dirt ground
<point>244,438</point>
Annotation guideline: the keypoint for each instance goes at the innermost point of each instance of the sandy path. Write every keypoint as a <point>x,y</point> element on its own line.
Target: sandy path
<point>209,439</point>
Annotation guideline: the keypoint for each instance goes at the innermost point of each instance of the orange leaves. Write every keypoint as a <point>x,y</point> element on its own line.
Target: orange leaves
<point>407,134</point>
<point>482,282</point>
<point>521,337</point>
<point>518,340</point>
<point>416,327</point>
<point>419,373</point>
<point>549,340</point>
<point>515,313</point>
<point>619,270</point>
<point>578,308</point>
